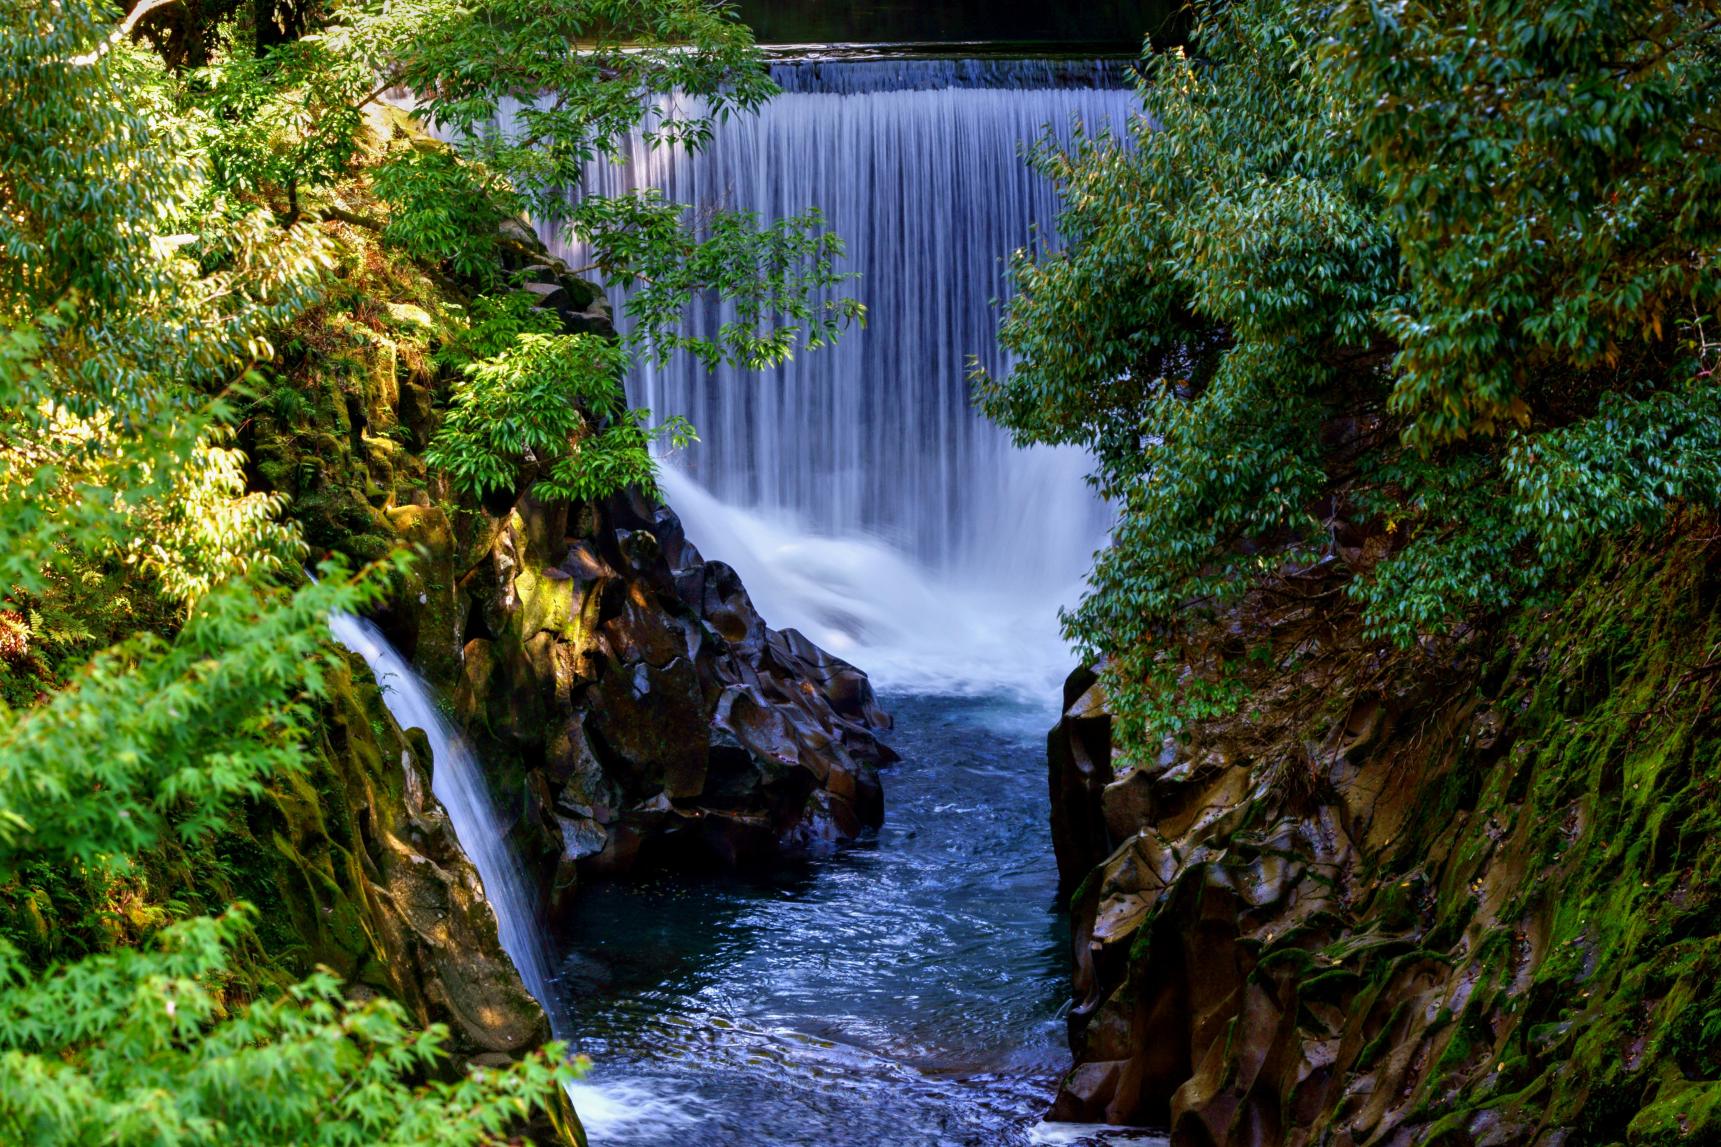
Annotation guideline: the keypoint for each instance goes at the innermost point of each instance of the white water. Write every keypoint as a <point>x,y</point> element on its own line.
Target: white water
<point>912,628</point>
<point>457,779</point>
<point>1085,1134</point>
<point>617,1109</point>
<point>856,491</point>
<point>859,494</point>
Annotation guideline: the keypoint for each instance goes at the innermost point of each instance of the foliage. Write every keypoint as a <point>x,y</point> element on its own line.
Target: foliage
<point>165,731</point>
<point>554,399</point>
<point>1411,296</point>
<point>139,1047</point>
<point>670,70</point>
<point>134,292</point>
<point>768,273</point>
<point>158,226</point>
<point>493,323</point>
<point>280,120</point>
<point>441,214</point>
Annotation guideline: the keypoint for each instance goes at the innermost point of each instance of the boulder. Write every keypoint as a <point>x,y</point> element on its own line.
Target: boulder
<point>669,723</point>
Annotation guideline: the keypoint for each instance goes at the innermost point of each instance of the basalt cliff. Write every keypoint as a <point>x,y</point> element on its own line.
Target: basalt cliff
<point>1469,897</point>
<point>631,706</point>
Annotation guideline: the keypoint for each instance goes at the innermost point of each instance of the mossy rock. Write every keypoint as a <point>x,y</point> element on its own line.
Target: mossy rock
<point>1683,1115</point>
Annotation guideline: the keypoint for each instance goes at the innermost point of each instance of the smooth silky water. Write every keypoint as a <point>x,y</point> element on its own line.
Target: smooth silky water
<point>905,992</point>
<point>856,490</point>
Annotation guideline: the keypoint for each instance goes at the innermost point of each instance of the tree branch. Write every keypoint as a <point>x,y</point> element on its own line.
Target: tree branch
<point>125,29</point>
<point>339,215</point>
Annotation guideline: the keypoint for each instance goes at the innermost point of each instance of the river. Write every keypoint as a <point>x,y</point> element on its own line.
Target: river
<point>906,993</point>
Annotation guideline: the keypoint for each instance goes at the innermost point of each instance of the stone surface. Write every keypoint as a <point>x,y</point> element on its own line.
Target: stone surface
<point>1460,900</point>
<point>370,879</point>
<point>630,694</point>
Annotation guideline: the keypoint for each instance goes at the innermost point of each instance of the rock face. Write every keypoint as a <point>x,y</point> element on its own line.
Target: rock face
<point>1475,901</point>
<point>631,706</point>
<point>629,700</point>
<point>369,879</point>
<point>628,689</point>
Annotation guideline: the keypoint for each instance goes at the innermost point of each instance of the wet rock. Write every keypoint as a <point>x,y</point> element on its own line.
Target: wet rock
<point>372,881</point>
<point>632,706</point>
<point>1078,751</point>
<point>633,696</point>
<point>549,296</point>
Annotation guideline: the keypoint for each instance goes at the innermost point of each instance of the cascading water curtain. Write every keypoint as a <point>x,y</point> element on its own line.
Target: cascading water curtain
<point>918,165</point>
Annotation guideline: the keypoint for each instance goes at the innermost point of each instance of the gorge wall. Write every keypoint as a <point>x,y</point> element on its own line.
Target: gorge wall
<point>368,878</point>
<point>1474,901</point>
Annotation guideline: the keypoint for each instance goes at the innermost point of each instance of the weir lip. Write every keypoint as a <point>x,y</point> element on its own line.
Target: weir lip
<point>950,50</point>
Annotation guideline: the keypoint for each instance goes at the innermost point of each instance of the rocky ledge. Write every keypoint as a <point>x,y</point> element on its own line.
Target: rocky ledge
<point>363,873</point>
<point>631,707</point>
<point>622,689</point>
<point>630,691</point>
<point>1470,901</point>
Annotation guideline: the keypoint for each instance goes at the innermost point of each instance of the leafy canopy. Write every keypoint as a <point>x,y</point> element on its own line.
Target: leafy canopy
<point>1416,299</point>
<point>136,289</point>
<point>527,94</point>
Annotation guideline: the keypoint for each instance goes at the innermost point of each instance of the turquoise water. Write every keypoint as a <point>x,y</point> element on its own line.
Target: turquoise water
<point>907,992</point>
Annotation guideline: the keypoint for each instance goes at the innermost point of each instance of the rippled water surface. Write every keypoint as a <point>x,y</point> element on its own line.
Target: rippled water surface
<point>906,992</point>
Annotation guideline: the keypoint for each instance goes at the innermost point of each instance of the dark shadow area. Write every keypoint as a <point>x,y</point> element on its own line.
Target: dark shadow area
<point>1105,25</point>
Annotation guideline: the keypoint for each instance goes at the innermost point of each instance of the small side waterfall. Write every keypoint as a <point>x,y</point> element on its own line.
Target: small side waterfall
<point>458,782</point>
<point>457,779</point>
<point>859,494</point>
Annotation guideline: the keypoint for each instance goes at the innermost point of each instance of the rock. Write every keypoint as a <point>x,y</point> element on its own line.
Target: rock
<point>655,719</point>
<point>371,881</point>
<point>1078,751</point>
<point>631,704</point>
<point>410,315</point>
<point>1457,903</point>
<point>549,296</point>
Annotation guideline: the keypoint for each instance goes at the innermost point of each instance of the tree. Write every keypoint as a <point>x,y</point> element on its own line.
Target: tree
<point>128,311</point>
<point>161,222</point>
<point>527,94</point>
<point>1412,299</point>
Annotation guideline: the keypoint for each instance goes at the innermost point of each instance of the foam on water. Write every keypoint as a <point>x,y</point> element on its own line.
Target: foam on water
<point>913,629</point>
<point>1093,1135</point>
<point>613,1109</point>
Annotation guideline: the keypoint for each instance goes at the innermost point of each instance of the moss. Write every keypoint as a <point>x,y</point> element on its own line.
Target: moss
<point>1683,1113</point>
<point>1559,872</point>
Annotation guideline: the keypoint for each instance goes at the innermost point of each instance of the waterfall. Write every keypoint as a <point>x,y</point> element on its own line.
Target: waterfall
<point>859,494</point>
<point>457,779</point>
